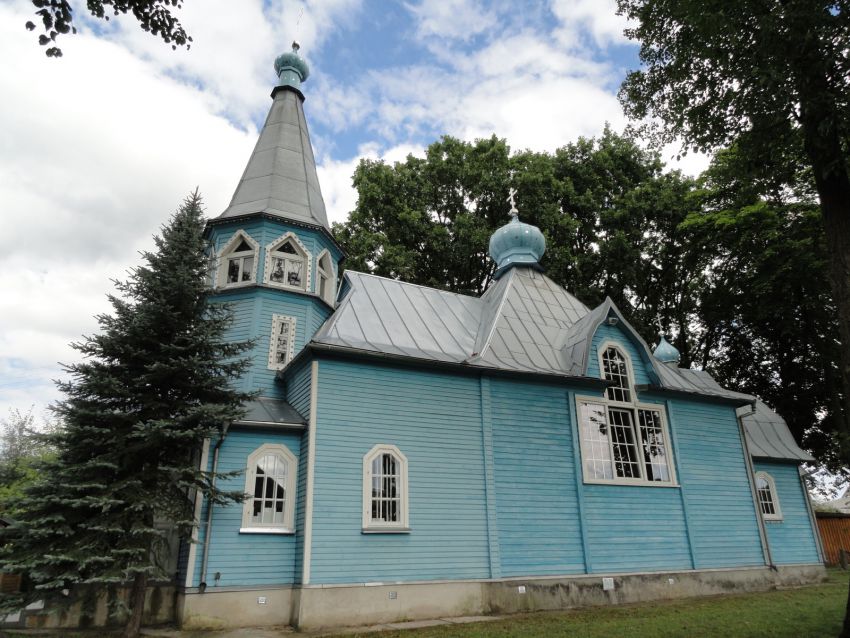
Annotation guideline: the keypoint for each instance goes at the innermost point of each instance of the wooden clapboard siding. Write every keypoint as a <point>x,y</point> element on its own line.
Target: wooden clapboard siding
<point>713,472</point>
<point>536,501</point>
<point>298,396</point>
<point>246,559</point>
<point>435,420</point>
<point>791,539</point>
<point>621,337</point>
<point>835,535</point>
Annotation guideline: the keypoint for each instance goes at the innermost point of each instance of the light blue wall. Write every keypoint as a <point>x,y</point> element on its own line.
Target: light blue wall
<point>791,539</point>
<point>714,475</point>
<point>245,559</point>
<point>537,504</point>
<point>435,420</point>
<point>298,396</point>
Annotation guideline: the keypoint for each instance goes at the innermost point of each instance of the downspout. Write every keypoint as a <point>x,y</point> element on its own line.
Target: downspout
<point>205,555</point>
<point>751,474</point>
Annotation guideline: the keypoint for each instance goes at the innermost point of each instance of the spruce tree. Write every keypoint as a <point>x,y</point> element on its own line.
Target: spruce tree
<point>153,385</point>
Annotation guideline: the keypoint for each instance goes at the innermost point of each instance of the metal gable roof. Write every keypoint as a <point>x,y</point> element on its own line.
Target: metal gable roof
<point>768,436</point>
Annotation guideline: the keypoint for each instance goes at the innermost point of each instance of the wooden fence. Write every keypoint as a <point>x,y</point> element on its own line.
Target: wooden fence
<point>835,533</point>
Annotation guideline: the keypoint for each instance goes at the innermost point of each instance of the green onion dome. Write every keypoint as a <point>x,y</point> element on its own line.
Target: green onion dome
<point>291,69</point>
<point>517,243</point>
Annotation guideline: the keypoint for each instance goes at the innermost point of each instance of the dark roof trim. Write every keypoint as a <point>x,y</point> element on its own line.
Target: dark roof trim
<point>711,398</point>
<point>322,349</point>
<point>268,425</point>
<point>215,221</point>
<point>501,271</point>
<point>819,514</point>
<point>287,87</point>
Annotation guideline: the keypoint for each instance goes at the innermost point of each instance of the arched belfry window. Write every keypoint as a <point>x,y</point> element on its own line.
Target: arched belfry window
<point>270,489</point>
<point>287,263</point>
<point>237,261</point>
<point>766,493</point>
<point>385,493</point>
<point>622,440</point>
<point>325,284</point>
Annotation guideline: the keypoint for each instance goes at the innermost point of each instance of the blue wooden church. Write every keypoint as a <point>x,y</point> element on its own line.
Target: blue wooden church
<point>415,453</point>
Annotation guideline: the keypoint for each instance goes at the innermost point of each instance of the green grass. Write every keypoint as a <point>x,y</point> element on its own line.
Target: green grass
<point>815,611</point>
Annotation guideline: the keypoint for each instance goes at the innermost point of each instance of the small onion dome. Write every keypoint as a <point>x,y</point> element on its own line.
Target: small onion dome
<point>517,243</point>
<point>665,352</point>
<point>291,69</point>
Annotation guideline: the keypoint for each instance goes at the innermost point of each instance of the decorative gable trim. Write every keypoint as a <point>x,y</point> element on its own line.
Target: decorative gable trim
<point>308,263</point>
<point>221,269</point>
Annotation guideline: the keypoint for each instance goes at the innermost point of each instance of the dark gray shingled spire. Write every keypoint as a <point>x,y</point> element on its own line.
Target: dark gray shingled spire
<point>280,178</point>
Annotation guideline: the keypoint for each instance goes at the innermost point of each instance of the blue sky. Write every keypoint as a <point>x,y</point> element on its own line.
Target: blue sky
<point>100,146</point>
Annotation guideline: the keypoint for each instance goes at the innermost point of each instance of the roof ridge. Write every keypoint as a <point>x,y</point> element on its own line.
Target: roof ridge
<point>408,283</point>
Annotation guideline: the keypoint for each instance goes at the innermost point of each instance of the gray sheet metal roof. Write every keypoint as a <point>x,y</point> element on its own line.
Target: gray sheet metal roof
<point>524,322</point>
<point>280,178</point>
<point>768,436</point>
<point>268,411</point>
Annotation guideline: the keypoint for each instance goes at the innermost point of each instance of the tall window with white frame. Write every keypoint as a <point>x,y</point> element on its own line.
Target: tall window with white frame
<point>622,440</point>
<point>766,493</point>
<point>281,341</point>
<point>238,261</point>
<point>385,494</point>
<point>324,271</point>
<point>288,265</point>
<point>270,487</point>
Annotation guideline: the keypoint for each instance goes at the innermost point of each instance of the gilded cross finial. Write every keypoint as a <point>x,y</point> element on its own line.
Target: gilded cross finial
<point>511,195</point>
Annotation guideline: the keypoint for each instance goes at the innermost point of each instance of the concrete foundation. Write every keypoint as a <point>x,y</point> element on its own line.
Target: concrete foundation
<point>88,607</point>
<point>322,607</point>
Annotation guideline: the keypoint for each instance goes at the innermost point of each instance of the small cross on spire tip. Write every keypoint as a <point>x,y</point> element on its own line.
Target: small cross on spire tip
<point>660,324</point>
<point>514,213</point>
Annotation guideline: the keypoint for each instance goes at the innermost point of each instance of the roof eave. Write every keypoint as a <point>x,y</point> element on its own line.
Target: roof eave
<point>324,349</point>
<point>713,398</point>
<point>215,221</point>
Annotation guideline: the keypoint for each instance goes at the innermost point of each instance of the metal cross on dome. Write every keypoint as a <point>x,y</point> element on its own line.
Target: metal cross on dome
<point>514,212</point>
<point>660,324</point>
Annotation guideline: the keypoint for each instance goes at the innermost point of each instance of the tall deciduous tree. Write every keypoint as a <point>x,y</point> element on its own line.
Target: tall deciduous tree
<point>154,16</point>
<point>156,381</point>
<point>767,72</point>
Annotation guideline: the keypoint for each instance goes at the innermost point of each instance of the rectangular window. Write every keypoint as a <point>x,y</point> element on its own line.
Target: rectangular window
<point>623,444</point>
<point>281,341</point>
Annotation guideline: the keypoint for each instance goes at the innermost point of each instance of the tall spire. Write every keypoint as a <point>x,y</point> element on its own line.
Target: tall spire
<point>280,178</point>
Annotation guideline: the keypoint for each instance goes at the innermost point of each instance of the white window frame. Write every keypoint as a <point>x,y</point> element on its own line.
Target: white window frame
<point>403,523</point>
<point>225,254</point>
<point>774,497</point>
<point>305,256</point>
<point>634,406</point>
<point>329,275</point>
<point>288,525</point>
<point>277,320</point>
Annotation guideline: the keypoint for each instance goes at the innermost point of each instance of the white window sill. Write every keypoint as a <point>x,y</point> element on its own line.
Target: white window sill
<point>385,530</point>
<point>266,530</point>
<point>772,519</point>
<point>622,482</point>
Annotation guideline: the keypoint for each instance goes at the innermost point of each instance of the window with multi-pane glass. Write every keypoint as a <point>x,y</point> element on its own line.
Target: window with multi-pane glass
<point>287,265</point>
<point>240,264</point>
<point>621,440</point>
<point>268,505</point>
<point>766,493</point>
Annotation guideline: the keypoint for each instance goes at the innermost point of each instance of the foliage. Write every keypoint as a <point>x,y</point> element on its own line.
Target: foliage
<point>155,382</point>
<point>154,16</point>
<point>22,446</point>
<point>773,76</point>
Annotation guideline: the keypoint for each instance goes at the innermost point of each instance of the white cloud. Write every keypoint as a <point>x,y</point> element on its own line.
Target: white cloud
<point>451,19</point>
<point>598,18</point>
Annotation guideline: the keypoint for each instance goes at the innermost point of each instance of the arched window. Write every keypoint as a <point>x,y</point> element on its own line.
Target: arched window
<point>270,487</point>
<point>325,287</point>
<point>385,496</point>
<point>237,262</point>
<point>287,263</point>
<point>622,440</point>
<point>766,493</point>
